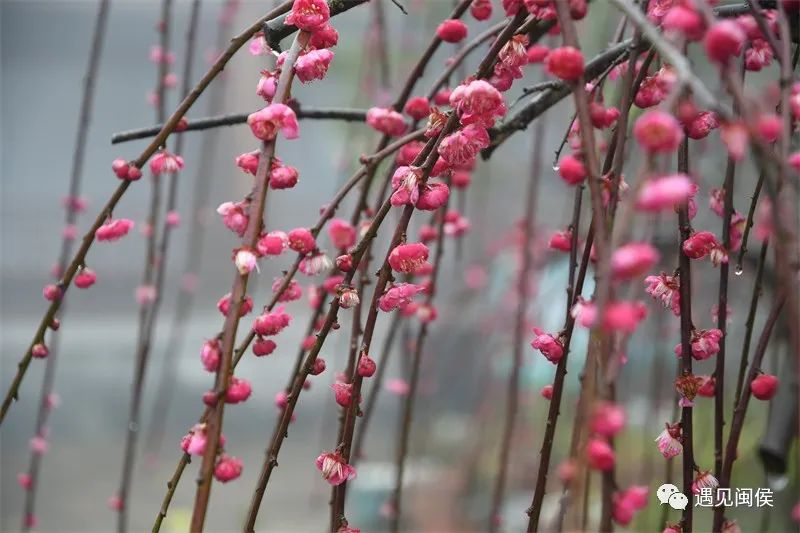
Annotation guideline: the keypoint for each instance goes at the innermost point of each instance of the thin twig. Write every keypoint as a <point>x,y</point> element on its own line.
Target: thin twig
<point>234,119</point>
<point>88,239</point>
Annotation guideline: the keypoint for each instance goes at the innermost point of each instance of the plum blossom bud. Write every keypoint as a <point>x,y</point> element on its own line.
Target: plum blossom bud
<point>324,36</point>
<point>344,262</point>
<point>407,258</point>
<point>115,503</point>
<point>301,240</point>
<point>602,117</point>
<point>85,278</point>
<point>571,170</point>
<point>550,345</point>
<point>700,244</point>
<point>669,441</point>
<point>282,176</point>
<point>608,419</point>
<point>600,455</point>
<point>334,469</point>
<point>654,89</point>
<point>266,86</point>
<point>245,261</point>
<point>451,31</point>
<point>318,367</point>
<point>343,393</point>
<point>584,312</point>
<point>341,233</point>
<point>262,347</point>
<point>235,216</point>
<point>114,229</point>
<point>764,386</point>
<point>561,240</point>
<point>313,65</point>
<point>664,192</point>
<point>547,392</point>
<point>565,62</point>
<point>386,120</point>
<point>366,366</point>
<point>705,344</point>
<point>770,127</point>
<point>266,123</point>
<point>417,107</point>
<point>309,15</point>
<point>707,387</point>
<point>273,243</point>
<point>684,20</point>
<point>25,481</point>
<point>723,41</point>
<point>224,304</point>
<point>632,260</point>
<point>238,390</point>
<point>537,53</point>
<point>38,445</point>
<point>166,163</point>
<point>227,468</point>
<point>624,316</point>
<point>481,9</point>
<point>210,355</point>
<point>39,351</point>
<point>292,292</point>
<point>52,292</point>
<point>194,442</point>
<point>172,219</point>
<point>658,132</point>
<point>736,138</point>
<point>315,264</point>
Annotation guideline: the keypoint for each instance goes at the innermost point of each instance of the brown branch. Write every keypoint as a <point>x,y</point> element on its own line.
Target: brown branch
<point>87,102</point>
<point>88,239</point>
<point>684,227</point>
<point>238,293</point>
<point>520,329</point>
<point>235,119</point>
<point>147,309</point>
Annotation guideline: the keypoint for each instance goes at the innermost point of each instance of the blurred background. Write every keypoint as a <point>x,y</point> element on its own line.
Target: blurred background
<point>453,458</point>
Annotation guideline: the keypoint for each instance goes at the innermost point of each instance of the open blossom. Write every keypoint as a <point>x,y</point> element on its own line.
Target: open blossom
<point>397,296</point>
<point>658,132</point>
<point>512,57</point>
<point>669,441</point>
<point>433,196</point>
<point>301,240</point>
<point>632,260</point>
<point>550,345</point>
<point>238,390</point>
<point>324,36</point>
<point>313,65</point>
<point>210,354</point>
<point>701,125</point>
<point>655,88</point>
<point>477,102</point>
<point>705,344</point>
<point>704,480</point>
<point>405,182</point>
<point>349,298</point>
<point>224,305</point>
<point>165,163</point>
<point>451,31</point>
<point>272,322</point>
<point>665,192</point>
<point>460,148</point>
<point>565,63</point>
<point>334,469</point>
<point>235,216</point>
<point>273,243</point>
<point>624,316</point>
<point>700,244</point>
<point>408,258</point>
<point>266,123</point>
<point>341,233</point>
<point>227,468</point>
<point>666,289</point>
<point>386,120</point>
<point>114,229</point>
<point>315,264</point>
<point>308,15</point>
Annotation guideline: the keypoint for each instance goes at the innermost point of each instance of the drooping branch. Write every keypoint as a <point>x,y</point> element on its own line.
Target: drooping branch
<point>235,119</point>
<point>46,399</point>
<point>88,239</point>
